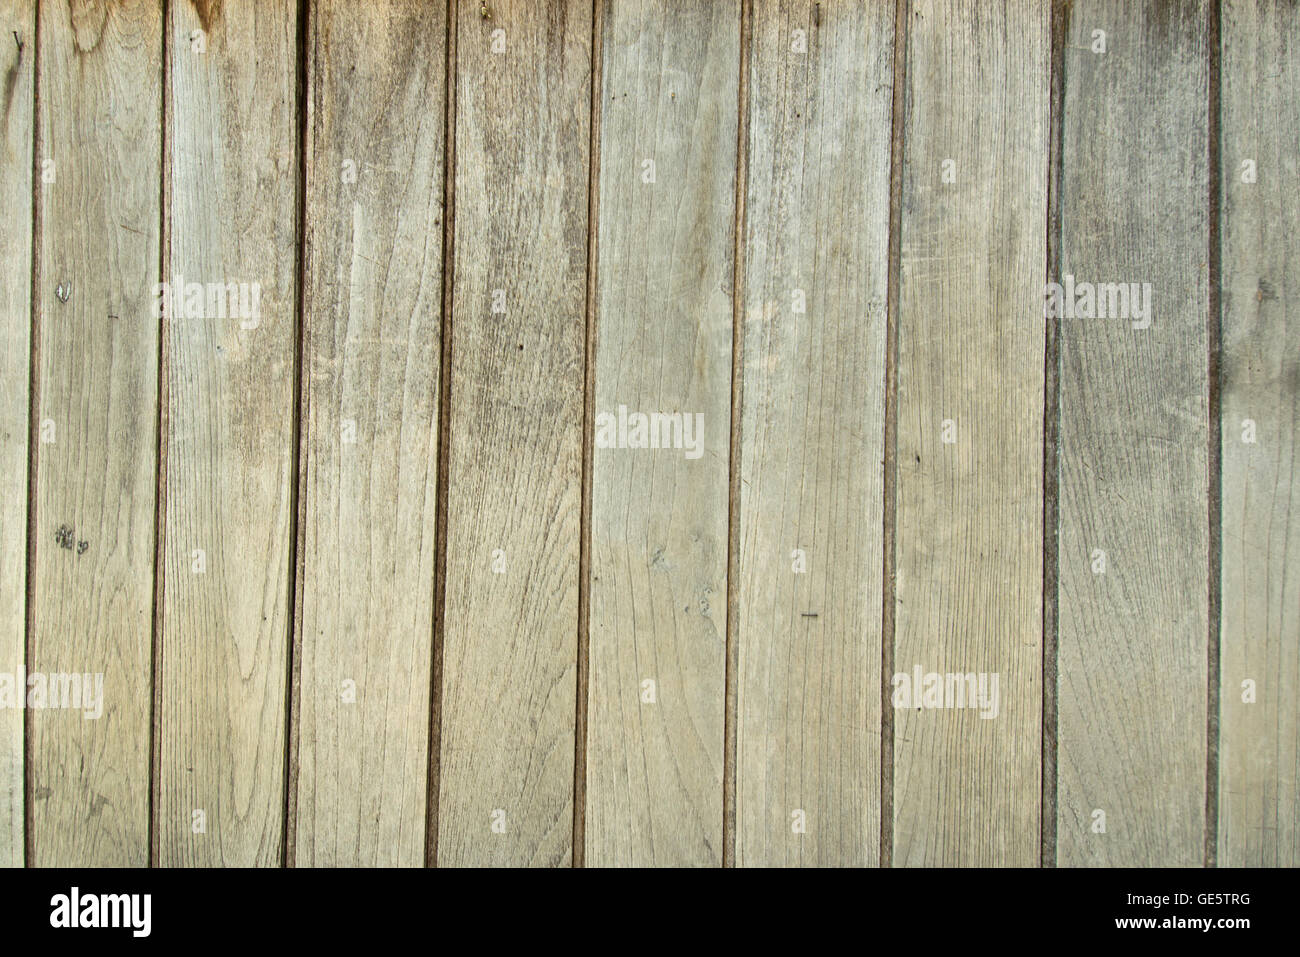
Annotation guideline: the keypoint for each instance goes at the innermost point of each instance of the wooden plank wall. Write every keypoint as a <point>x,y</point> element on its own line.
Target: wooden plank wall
<point>811,504</point>
<point>968,591</point>
<point>1134,440</point>
<point>96,352</point>
<point>1259,755</point>
<point>17,20</point>
<point>658,625</point>
<point>629,401</point>
<point>224,634</point>
<point>518,318</point>
<point>371,369</point>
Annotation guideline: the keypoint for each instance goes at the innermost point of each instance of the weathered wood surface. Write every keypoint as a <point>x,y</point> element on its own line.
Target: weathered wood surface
<point>17,20</point>
<point>364,583</point>
<point>373,310</point>
<point>1259,739</point>
<point>658,627</point>
<point>515,471</point>
<point>968,590</point>
<point>1133,439</point>
<point>231,221</point>
<point>97,239</point>
<point>811,489</point>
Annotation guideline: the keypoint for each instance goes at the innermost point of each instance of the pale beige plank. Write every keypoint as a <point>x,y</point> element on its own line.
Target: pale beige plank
<point>970,370</point>
<point>232,218</point>
<point>1133,433</point>
<point>100,76</point>
<point>659,515</point>
<point>1259,741</point>
<point>812,445</point>
<point>17,56</point>
<point>509,680</point>
<point>373,312</point>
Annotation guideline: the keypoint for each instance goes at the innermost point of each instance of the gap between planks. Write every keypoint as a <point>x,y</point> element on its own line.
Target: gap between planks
<point>162,426</point>
<point>890,464</point>
<point>434,780</point>
<point>298,461</point>
<point>1051,438</point>
<point>733,454</point>
<point>1214,511</point>
<point>588,429</point>
<point>33,423</point>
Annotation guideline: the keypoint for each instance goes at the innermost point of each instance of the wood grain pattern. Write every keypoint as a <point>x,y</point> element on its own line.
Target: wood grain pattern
<point>812,442</point>
<point>378,612</point>
<point>510,657</point>
<point>17,56</point>
<point>1259,742</point>
<point>232,219</point>
<point>970,370</point>
<point>373,312</point>
<point>100,76</point>
<point>1134,433</point>
<point>659,515</point>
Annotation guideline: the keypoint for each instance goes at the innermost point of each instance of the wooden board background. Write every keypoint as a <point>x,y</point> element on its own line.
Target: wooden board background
<point>371,361</point>
<point>515,468</point>
<point>969,537</point>
<point>1134,441</point>
<point>428,600</point>
<point>812,439</point>
<point>224,641</point>
<point>17,21</point>
<point>659,516</point>
<point>1259,742</point>
<point>97,232</point>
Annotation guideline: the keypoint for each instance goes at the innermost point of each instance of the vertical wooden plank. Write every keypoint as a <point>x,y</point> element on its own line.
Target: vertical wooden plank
<point>373,310</point>
<point>232,217</point>
<point>1259,740</point>
<point>1134,432</point>
<point>98,240</point>
<point>659,515</point>
<point>970,408</point>
<point>511,617</point>
<point>812,444</point>
<point>17,54</point>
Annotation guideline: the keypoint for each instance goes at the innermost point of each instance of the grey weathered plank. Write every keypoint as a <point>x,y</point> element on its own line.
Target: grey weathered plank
<point>100,77</point>
<point>371,357</point>
<point>659,516</point>
<point>17,56</point>
<point>1133,440</point>
<point>509,665</point>
<point>970,354</point>
<point>812,442</point>
<point>231,218</point>
<point>1259,742</point>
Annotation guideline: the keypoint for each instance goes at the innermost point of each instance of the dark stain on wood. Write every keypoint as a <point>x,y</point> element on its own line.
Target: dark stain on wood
<point>209,12</point>
<point>66,538</point>
<point>11,77</point>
